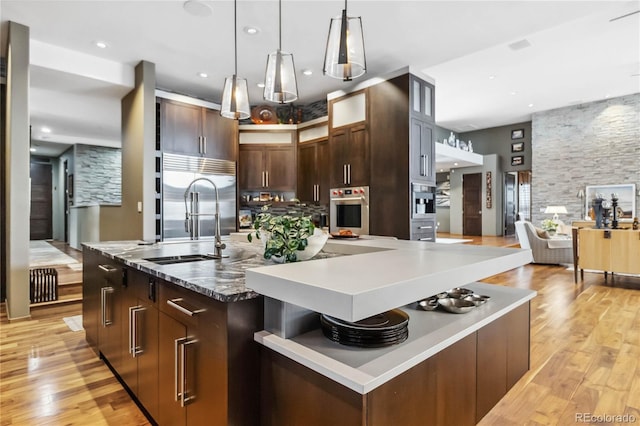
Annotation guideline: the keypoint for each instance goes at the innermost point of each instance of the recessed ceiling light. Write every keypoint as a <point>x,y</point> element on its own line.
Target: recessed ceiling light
<point>251,30</point>
<point>32,149</point>
<point>442,170</point>
<point>491,77</point>
<point>101,44</point>
<point>513,92</point>
<point>260,85</point>
<point>307,72</point>
<point>530,105</point>
<point>455,164</point>
<point>46,130</point>
<point>197,8</point>
<point>203,75</point>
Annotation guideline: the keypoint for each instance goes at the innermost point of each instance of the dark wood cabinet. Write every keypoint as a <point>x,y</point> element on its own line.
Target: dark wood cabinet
<point>91,306</point>
<point>114,279</point>
<point>456,386</point>
<point>349,156</point>
<point>208,364</point>
<point>267,168</point>
<point>194,130</point>
<point>422,155</point>
<point>313,174</point>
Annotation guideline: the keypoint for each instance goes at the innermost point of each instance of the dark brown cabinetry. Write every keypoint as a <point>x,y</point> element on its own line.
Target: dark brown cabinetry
<point>350,158</point>
<point>187,358</point>
<point>487,364</point>
<point>313,174</point>
<point>264,167</point>
<point>193,130</point>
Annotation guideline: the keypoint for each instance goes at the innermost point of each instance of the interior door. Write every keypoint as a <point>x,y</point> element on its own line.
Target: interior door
<point>510,207</point>
<point>41,223</point>
<point>472,204</point>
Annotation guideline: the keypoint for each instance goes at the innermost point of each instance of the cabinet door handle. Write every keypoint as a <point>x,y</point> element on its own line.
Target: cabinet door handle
<point>425,227</point>
<point>267,175</point>
<point>204,145</point>
<point>107,268</point>
<point>349,174</point>
<point>425,239</point>
<point>174,304</point>
<point>425,159</point>
<point>180,365</point>
<point>103,305</point>
<point>134,348</point>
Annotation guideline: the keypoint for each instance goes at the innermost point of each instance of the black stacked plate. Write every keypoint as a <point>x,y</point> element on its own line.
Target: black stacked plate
<point>385,329</point>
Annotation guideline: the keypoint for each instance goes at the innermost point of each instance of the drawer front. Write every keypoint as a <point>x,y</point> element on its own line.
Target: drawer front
<point>181,304</point>
<point>423,230</point>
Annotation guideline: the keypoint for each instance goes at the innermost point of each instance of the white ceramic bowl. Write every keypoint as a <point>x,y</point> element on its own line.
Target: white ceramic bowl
<point>316,242</point>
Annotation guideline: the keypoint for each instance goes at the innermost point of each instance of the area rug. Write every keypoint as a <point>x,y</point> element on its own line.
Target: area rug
<point>41,253</point>
<point>74,323</point>
<point>451,240</point>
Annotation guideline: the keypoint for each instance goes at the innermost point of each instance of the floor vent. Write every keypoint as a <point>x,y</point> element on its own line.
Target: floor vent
<point>43,285</point>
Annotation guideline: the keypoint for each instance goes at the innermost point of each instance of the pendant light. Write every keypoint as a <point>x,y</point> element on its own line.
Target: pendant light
<point>235,96</point>
<point>280,83</point>
<point>344,57</point>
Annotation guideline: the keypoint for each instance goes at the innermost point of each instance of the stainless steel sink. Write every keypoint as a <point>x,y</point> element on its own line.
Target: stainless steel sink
<point>169,260</point>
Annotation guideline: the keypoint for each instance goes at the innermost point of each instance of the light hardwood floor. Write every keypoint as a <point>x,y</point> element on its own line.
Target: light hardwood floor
<point>585,358</point>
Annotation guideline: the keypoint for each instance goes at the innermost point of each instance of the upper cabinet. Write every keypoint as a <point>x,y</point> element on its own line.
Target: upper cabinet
<point>349,140</point>
<point>194,130</point>
<point>267,161</point>
<point>422,99</point>
<point>421,152</point>
<point>313,164</point>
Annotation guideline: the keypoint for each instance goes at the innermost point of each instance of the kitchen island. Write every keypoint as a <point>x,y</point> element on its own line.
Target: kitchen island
<point>219,306</point>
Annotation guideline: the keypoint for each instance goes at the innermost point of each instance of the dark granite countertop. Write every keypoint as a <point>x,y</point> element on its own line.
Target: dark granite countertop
<point>222,280</point>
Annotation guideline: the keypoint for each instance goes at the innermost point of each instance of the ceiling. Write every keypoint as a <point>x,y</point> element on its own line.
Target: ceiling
<point>577,52</point>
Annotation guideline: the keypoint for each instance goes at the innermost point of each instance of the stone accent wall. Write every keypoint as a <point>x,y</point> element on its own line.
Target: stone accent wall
<point>590,144</point>
<point>97,175</point>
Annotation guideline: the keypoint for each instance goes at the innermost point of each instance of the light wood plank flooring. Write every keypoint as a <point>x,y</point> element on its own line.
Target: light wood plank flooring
<point>585,358</point>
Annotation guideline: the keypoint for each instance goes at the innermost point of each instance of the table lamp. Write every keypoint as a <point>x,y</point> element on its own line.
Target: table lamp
<point>556,210</point>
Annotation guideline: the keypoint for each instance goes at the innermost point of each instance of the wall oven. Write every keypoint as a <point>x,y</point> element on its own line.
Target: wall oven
<point>349,209</point>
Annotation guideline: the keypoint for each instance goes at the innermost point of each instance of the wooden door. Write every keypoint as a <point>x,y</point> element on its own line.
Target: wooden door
<point>359,155</point>
<point>41,223</point>
<point>322,171</point>
<point>280,165</point>
<point>129,364</point>
<point>625,251</point>
<point>338,149</point>
<point>147,339</point>
<point>307,171</point>
<point>220,136</point>
<point>421,162</point>
<point>510,207</point>
<point>251,168</point>
<point>181,127</point>
<point>472,204</point>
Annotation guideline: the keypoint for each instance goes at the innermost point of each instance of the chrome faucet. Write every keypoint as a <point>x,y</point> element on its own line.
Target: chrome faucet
<point>219,245</point>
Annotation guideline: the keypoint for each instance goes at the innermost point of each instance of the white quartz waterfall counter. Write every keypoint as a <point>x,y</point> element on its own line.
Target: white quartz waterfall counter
<point>380,274</point>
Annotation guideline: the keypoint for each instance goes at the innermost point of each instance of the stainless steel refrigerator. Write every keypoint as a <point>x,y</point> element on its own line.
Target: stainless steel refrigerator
<point>178,171</point>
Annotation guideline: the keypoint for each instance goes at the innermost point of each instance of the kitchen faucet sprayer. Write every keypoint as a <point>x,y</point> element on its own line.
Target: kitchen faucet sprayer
<point>219,245</point>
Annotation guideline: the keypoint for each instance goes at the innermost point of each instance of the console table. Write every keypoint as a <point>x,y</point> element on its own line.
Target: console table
<point>609,250</point>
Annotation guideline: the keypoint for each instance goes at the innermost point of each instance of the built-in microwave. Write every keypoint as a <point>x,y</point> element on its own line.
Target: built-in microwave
<point>349,209</point>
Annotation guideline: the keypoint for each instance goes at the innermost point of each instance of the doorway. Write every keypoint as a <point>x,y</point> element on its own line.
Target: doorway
<point>472,204</point>
<point>41,217</point>
<point>510,203</point>
<point>66,201</point>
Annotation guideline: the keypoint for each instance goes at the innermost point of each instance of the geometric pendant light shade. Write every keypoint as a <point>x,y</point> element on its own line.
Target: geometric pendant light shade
<point>280,83</point>
<point>344,57</point>
<point>235,95</point>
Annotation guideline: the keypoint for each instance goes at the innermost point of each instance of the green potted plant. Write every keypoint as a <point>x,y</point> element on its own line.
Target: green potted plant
<point>550,226</point>
<point>287,238</point>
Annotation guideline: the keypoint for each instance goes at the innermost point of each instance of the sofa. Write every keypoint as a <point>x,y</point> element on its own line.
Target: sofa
<point>544,249</point>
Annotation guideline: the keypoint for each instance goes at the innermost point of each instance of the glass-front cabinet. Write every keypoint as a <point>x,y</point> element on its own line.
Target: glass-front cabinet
<point>422,99</point>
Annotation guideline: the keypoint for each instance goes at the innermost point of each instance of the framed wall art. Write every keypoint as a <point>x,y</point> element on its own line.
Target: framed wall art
<point>517,134</point>
<point>626,198</point>
<point>517,147</point>
<point>517,160</point>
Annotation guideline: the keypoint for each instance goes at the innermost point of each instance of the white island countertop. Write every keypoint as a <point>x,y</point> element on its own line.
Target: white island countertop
<point>380,275</point>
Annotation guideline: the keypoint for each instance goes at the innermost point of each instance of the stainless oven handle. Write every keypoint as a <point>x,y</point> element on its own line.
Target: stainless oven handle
<point>349,199</point>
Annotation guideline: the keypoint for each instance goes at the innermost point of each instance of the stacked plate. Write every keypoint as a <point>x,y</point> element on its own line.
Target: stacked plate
<point>388,328</point>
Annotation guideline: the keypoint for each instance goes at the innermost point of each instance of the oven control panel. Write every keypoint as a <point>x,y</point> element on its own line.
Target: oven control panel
<point>347,192</point>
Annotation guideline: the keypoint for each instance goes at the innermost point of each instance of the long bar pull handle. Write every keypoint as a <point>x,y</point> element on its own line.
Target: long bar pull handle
<point>267,178</point>
<point>349,173</point>
<point>425,227</point>
<point>177,364</point>
<point>131,320</point>
<point>263,179</point>
<point>425,165</point>
<point>425,239</point>
<point>174,304</point>
<point>184,398</point>
<point>107,268</point>
<point>136,348</point>
<point>204,145</point>
<point>103,305</point>
<point>422,163</point>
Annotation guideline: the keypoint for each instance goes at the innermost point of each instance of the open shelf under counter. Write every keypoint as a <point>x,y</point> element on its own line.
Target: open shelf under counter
<point>363,370</point>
